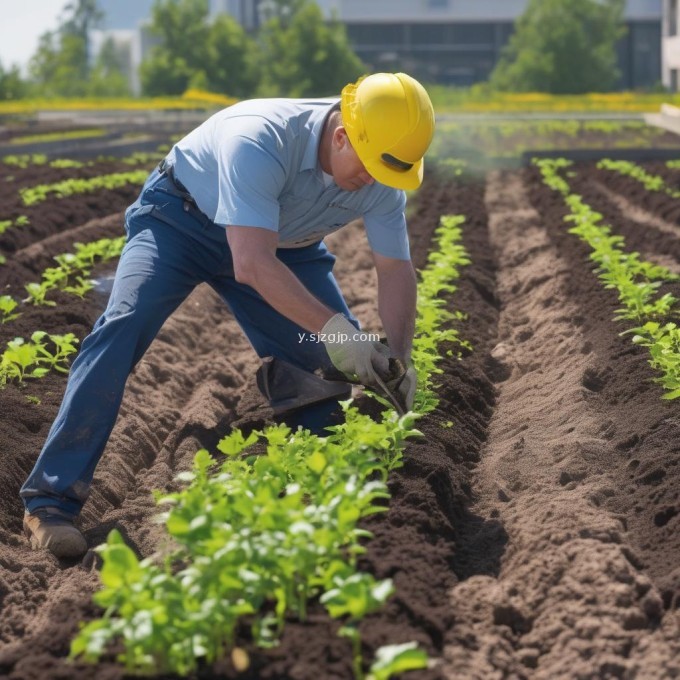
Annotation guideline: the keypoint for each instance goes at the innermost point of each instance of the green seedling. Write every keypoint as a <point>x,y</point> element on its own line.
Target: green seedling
<point>24,160</point>
<point>69,187</point>
<point>73,268</point>
<point>393,659</point>
<point>629,169</point>
<point>33,359</point>
<point>20,221</point>
<point>663,342</point>
<point>355,597</point>
<point>636,282</point>
<point>66,163</point>
<point>7,306</point>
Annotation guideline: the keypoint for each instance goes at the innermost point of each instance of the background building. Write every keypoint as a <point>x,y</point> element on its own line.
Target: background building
<point>670,46</point>
<point>456,42</point>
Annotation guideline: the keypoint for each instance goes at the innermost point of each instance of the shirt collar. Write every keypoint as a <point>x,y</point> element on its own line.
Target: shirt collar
<point>310,159</point>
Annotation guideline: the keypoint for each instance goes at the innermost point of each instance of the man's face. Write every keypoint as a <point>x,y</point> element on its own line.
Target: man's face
<point>348,171</point>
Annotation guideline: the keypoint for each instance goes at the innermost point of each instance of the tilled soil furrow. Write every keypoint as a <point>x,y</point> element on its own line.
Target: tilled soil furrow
<point>644,219</point>
<point>26,265</point>
<point>422,542</point>
<point>159,402</point>
<point>657,202</point>
<point>56,214</point>
<point>642,426</point>
<point>569,589</point>
<point>183,395</point>
<point>657,236</point>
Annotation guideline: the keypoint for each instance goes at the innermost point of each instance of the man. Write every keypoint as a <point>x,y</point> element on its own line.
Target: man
<point>243,203</point>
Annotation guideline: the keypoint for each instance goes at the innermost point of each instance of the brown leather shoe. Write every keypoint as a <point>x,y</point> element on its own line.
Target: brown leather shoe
<point>50,529</point>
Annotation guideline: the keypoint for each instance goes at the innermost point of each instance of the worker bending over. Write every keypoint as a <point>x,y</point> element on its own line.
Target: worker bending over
<point>243,203</point>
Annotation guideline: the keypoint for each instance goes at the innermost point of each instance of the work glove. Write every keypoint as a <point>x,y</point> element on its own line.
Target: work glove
<point>407,387</point>
<point>361,358</point>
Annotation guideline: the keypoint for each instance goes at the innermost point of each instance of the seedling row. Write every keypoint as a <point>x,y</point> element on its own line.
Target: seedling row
<point>636,282</point>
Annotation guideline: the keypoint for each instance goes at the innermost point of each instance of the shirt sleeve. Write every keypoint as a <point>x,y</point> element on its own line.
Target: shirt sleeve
<point>386,227</point>
<point>250,181</point>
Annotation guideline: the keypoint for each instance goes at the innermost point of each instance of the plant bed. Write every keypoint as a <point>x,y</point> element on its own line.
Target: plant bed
<point>532,532</point>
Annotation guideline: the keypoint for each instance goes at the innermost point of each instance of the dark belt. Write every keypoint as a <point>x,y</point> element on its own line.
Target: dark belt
<point>165,168</point>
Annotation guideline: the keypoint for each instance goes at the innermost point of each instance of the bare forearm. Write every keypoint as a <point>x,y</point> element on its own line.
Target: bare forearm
<point>283,291</point>
<point>397,292</point>
<point>256,265</point>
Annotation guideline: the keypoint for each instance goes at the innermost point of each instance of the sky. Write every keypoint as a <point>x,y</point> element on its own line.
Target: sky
<point>22,23</point>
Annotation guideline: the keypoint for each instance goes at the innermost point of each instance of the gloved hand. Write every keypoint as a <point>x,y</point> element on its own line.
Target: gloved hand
<point>407,387</point>
<point>360,358</point>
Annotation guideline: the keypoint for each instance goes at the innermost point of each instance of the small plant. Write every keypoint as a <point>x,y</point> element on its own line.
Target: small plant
<point>7,306</point>
<point>73,268</point>
<point>69,187</point>
<point>20,221</point>
<point>24,160</point>
<point>34,359</point>
<point>663,342</point>
<point>393,659</point>
<point>66,163</point>
<point>629,169</point>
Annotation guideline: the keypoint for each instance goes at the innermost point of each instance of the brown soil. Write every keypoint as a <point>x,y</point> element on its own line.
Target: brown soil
<point>536,538</point>
<point>657,202</point>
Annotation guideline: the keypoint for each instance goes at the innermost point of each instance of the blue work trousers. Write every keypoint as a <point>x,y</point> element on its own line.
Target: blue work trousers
<point>171,247</point>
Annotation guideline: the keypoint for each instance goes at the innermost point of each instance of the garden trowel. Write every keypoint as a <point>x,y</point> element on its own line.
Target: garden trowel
<point>288,387</point>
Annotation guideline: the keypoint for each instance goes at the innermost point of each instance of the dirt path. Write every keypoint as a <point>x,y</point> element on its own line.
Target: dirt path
<point>572,600</point>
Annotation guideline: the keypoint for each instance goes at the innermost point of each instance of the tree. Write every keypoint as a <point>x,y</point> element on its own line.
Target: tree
<point>85,15</point>
<point>233,61</point>
<point>217,56</point>
<point>61,65</point>
<point>305,56</point>
<point>107,78</point>
<point>12,86</point>
<point>562,47</point>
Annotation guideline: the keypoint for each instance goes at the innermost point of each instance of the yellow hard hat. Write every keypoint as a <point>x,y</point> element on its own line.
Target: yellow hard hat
<point>390,122</point>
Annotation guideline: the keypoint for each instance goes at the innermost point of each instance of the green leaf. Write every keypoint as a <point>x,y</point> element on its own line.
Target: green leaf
<point>120,564</point>
<point>233,444</point>
<point>392,659</point>
<point>317,462</point>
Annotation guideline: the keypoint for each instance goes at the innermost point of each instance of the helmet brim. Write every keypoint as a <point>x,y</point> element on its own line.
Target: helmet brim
<point>391,177</point>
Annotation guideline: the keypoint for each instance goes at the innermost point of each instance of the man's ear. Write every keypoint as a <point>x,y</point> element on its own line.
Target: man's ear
<point>340,139</point>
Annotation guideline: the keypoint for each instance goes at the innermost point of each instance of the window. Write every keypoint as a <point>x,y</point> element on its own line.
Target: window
<point>672,17</point>
<point>674,80</point>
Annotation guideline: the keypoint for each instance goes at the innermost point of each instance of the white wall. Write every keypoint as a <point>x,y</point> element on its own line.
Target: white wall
<point>670,54</point>
<point>670,44</point>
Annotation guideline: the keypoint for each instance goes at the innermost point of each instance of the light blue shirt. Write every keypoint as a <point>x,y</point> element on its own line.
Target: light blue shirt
<point>255,164</point>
